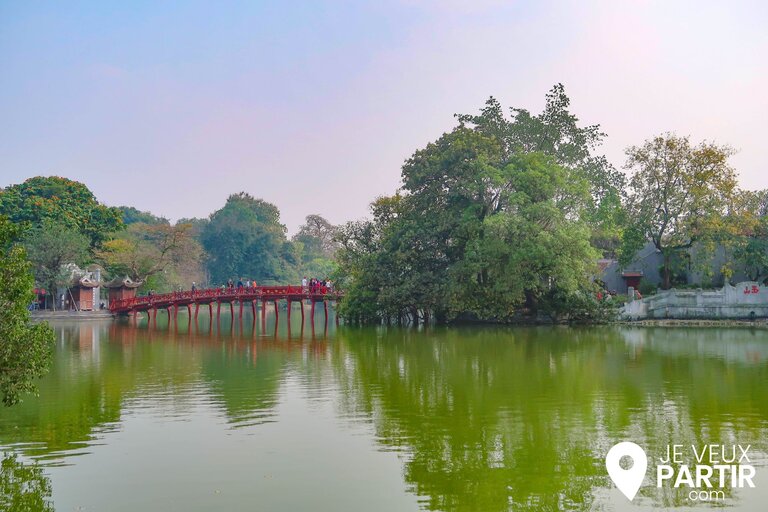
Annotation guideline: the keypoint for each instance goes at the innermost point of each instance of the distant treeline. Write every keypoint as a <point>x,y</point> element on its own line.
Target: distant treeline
<point>503,218</point>
<point>64,225</point>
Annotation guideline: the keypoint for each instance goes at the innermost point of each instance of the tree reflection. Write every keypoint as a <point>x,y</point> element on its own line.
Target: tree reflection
<point>23,487</point>
<point>496,419</point>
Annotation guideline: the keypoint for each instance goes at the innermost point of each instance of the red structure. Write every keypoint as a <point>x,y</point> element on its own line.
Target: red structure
<point>81,294</point>
<point>253,295</point>
<point>121,289</point>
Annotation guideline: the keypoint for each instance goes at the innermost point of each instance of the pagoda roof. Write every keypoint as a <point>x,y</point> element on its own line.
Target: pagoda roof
<point>84,282</point>
<point>122,282</point>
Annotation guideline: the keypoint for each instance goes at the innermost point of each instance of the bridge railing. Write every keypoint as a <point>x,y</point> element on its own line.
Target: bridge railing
<point>227,294</point>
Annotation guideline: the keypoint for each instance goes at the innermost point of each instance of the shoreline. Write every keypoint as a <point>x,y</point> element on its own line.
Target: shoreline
<point>71,315</point>
<point>761,323</point>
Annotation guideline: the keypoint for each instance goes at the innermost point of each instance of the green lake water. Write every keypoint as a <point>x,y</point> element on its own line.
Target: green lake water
<point>140,418</point>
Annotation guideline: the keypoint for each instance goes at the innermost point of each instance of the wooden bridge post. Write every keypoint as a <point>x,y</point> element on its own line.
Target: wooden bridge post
<point>336,312</point>
<point>263,315</point>
<point>197,308</point>
<point>289,313</point>
<point>241,308</point>
<point>325,310</point>
<point>232,311</point>
<point>302,312</point>
<point>277,313</point>
<point>253,309</point>
<point>218,311</point>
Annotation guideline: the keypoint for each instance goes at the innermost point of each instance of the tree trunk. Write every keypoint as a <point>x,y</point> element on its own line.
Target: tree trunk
<point>667,278</point>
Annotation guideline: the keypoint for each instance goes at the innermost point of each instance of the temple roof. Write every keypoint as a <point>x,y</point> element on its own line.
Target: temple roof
<point>84,282</point>
<point>122,282</point>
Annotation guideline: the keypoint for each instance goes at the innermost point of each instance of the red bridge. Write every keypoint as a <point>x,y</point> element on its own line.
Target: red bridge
<point>253,295</point>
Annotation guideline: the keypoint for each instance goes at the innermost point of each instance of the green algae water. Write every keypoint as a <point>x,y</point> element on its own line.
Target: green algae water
<point>253,417</point>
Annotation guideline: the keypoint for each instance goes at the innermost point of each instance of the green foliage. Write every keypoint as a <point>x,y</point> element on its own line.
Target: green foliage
<point>556,132</point>
<point>164,257</point>
<point>475,234</point>
<point>679,194</point>
<point>132,216</point>
<point>24,487</point>
<point>646,287</point>
<point>51,248</point>
<point>317,243</point>
<point>25,348</point>
<point>245,238</point>
<point>63,201</point>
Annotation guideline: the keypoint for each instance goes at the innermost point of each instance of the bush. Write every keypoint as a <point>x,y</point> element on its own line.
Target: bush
<point>646,287</point>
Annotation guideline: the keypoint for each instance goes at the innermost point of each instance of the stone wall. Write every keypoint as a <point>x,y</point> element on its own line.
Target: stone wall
<point>745,300</point>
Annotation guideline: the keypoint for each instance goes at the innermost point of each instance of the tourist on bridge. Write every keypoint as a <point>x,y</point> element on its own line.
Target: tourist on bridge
<point>240,284</point>
<point>194,287</point>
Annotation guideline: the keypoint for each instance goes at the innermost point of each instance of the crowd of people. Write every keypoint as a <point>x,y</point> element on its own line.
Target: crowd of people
<point>315,285</point>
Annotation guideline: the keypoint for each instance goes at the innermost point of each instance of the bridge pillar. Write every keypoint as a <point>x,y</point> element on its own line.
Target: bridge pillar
<point>253,309</point>
<point>325,310</point>
<point>241,308</point>
<point>232,312</point>
<point>218,311</point>
<point>277,314</point>
<point>289,314</point>
<point>197,308</point>
<point>302,312</point>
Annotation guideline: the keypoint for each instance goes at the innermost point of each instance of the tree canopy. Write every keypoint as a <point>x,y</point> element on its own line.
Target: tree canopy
<point>476,232</point>
<point>25,348</point>
<point>52,249</point>
<point>678,194</point>
<point>66,202</point>
<point>246,239</point>
<point>160,255</point>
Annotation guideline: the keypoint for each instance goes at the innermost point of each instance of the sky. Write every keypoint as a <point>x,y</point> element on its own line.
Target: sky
<point>170,107</point>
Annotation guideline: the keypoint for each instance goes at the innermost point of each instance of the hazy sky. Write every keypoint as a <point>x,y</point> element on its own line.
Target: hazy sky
<point>314,106</point>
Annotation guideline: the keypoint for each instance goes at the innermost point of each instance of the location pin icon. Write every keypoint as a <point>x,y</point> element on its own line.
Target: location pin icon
<point>627,480</point>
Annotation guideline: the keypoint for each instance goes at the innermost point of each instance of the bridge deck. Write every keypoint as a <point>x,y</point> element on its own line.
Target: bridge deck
<point>221,295</point>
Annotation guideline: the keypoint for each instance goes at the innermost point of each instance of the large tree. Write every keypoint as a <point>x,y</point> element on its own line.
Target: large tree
<point>317,243</point>
<point>53,249</point>
<point>162,256</point>
<point>678,194</point>
<point>556,132</point>
<point>475,232</point>
<point>25,348</point>
<point>66,202</point>
<point>246,239</point>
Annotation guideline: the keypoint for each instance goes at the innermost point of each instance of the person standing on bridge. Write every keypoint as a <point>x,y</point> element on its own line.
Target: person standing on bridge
<point>240,284</point>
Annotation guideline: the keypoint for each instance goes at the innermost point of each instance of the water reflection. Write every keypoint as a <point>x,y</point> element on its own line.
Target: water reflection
<point>23,487</point>
<point>480,419</point>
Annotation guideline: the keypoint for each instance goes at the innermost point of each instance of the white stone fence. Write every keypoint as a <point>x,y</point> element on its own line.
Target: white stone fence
<point>747,300</point>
